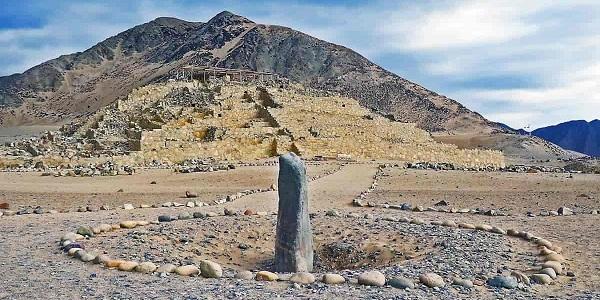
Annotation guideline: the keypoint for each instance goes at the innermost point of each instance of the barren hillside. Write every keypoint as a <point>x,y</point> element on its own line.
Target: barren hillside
<point>81,83</point>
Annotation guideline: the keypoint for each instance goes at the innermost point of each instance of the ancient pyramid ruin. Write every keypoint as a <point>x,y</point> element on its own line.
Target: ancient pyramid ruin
<point>182,120</point>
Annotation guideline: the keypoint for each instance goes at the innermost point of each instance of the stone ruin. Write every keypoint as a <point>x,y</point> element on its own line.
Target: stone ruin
<point>253,122</point>
<point>170,122</point>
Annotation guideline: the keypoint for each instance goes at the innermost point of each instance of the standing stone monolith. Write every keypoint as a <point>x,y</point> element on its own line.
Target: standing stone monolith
<point>294,242</point>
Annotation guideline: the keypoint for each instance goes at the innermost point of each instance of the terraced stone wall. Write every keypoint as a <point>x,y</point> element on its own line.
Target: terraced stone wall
<point>252,123</point>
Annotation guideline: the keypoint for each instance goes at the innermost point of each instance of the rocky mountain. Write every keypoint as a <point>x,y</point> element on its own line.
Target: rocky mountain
<point>79,84</point>
<point>579,135</point>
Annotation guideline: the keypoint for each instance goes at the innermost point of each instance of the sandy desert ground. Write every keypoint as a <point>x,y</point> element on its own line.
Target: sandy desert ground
<point>33,266</point>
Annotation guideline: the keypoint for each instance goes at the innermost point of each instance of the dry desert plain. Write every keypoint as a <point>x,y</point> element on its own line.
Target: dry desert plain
<point>349,240</point>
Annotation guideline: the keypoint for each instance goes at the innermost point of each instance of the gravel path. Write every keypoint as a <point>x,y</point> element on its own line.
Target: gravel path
<point>32,266</point>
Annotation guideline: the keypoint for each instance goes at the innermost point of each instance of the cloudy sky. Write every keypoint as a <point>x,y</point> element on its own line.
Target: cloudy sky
<point>534,62</point>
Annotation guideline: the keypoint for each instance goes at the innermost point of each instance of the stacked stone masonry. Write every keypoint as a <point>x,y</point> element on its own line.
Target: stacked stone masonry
<point>246,122</point>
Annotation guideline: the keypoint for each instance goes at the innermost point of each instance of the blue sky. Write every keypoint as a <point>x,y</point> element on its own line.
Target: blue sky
<point>534,62</point>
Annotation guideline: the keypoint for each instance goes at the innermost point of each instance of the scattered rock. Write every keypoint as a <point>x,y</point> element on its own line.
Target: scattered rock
<point>331,278</point>
<point>113,263</point>
<point>303,278</point>
<point>564,211</point>
<point>72,236</point>
<point>498,230</point>
<point>417,221</point>
<point>406,206</point>
<point>249,212</point>
<point>449,223</point>
<point>483,227</point>
<point>507,282</point>
<point>541,278</point>
<point>543,242</point>
<point>85,231</point>
<point>189,194</point>
<point>333,213</point>
<point>185,216</point>
<point>372,278</point>
<point>266,276</point>
<point>128,224</point>
<point>401,283</point>
<point>101,259</point>
<point>165,218</point>
<point>189,270</point>
<point>210,269</point>
<point>521,277</point>
<point>127,266</point>
<point>557,266</point>
<point>554,256</point>
<point>73,251</point>
<point>466,225</point>
<point>105,228</point>
<point>166,268</point>
<point>432,280</point>
<point>245,275</point>
<point>512,232</point>
<point>462,282</point>
<point>199,215</point>
<point>86,256</point>
<point>549,271</point>
<point>146,267</point>
<point>441,203</point>
<point>490,212</point>
<point>526,235</point>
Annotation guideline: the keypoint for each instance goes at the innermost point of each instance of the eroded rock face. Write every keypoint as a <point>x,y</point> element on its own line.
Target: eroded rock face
<point>294,242</point>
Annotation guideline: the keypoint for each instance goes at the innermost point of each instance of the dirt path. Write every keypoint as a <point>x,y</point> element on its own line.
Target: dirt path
<point>332,191</point>
<point>32,189</point>
<point>31,266</point>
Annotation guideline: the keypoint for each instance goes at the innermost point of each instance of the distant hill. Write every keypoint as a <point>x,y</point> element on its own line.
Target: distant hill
<point>512,130</point>
<point>79,84</point>
<point>580,136</point>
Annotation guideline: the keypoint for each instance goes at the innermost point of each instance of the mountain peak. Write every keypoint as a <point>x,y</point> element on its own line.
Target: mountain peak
<point>227,18</point>
<point>171,22</point>
<point>577,135</point>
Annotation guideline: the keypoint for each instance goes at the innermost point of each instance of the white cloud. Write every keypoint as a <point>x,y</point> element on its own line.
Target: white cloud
<point>523,119</point>
<point>470,23</point>
<point>578,97</point>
